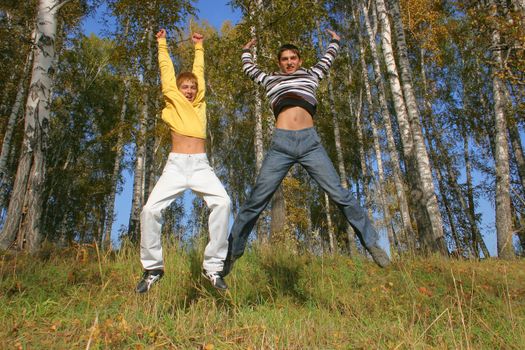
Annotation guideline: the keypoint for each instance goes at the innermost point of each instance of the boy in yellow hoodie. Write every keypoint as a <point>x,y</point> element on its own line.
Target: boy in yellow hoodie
<point>187,168</point>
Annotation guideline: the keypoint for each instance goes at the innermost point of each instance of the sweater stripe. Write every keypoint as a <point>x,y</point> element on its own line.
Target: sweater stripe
<point>303,82</point>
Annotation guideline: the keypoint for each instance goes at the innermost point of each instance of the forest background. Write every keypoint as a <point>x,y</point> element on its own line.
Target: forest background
<point>421,115</point>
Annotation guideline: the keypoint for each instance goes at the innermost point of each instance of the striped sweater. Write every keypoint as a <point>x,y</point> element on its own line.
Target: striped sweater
<point>295,89</point>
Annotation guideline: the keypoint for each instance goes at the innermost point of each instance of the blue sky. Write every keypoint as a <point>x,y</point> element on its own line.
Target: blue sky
<point>216,12</point>
<point>213,11</point>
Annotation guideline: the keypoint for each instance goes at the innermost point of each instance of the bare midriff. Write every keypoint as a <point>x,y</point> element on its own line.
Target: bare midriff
<point>294,118</point>
<point>187,144</point>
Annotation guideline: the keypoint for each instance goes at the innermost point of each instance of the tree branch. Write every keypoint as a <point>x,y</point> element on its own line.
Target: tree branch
<point>59,5</point>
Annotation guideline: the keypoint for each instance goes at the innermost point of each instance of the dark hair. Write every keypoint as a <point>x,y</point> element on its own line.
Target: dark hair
<point>287,47</point>
<point>184,76</point>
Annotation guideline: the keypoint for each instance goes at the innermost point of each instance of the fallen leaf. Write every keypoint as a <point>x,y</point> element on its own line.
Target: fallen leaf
<point>425,291</point>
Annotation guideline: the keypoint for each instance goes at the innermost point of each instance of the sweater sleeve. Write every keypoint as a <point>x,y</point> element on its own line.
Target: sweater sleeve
<point>198,70</point>
<point>251,70</point>
<point>321,68</point>
<point>167,73</point>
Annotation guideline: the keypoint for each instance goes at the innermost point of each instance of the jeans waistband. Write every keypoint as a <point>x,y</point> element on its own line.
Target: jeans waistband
<point>294,132</point>
<point>187,156</point>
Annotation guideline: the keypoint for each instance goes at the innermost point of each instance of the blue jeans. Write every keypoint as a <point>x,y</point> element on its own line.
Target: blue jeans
<point>287,148</point>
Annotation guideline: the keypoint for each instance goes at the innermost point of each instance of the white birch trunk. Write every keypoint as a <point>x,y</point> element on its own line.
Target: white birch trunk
<point>108,225</point>
<point>259,137</point>
<point>149,152</point>
<point>377,150</point>
<point>140,160</point>
<point>24,220</point>
<point>13,116</point>
<point>329,226</point>
<point>386,118</point>
<point>501,157</point>
<point>451,175</point>
<point>422,160</point>
<point>515,140</point>
<point>258,140</point>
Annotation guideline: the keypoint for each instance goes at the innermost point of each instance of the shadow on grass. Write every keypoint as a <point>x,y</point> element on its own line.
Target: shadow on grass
<point>283,276</point>
<point>200,287</point>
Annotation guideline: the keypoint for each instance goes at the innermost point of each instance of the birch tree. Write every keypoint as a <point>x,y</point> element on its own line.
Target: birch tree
<point>387,124</point>
<point>25,207</point>
<point>108,225</point>
<point>13,116</point>
<point>503,206</point>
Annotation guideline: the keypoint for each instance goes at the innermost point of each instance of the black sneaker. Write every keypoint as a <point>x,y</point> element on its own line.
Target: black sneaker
<point>149,277</point>
<point>215,278</point>
<point>379,255</point>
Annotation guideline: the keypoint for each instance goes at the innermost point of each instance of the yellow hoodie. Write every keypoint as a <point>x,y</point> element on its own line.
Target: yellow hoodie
<point>182,116</point>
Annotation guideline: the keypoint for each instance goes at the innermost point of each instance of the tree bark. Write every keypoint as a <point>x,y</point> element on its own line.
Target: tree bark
<point>24,220</point>
<point>341,165</point>
<point>329,226</point>
<point>386,118</point>
<point>434,240</point>
<point>13,116</point>
<point>477,237</point>
<point>501,156</point>
<point>140,160</point>
<point>517,149</point>
<point>149,155</point>
<point>377,150</point>
<point>108,225</point>
<point>442,189</point>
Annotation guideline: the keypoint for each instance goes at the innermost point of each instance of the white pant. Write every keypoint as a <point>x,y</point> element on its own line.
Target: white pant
<point>186,171</point>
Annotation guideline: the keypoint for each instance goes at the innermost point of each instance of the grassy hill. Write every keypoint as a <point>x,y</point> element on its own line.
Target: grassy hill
<point>80,299</point>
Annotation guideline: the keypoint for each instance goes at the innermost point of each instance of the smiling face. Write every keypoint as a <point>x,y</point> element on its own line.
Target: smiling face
<point>189,89</point>
<point>289,61</point>
<point>187,84</point>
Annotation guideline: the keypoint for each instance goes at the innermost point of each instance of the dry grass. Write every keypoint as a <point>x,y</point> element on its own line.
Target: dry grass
<point>81,298</point>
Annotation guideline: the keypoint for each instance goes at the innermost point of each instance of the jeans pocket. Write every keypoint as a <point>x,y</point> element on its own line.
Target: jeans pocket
<point>204,163</point>
<point>316,138</point>
<point>278,144</point>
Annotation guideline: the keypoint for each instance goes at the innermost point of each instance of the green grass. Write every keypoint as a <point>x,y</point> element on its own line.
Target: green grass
<point>78,299</point>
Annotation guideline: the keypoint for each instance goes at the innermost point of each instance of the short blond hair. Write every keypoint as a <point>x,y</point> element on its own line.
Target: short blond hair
<point>185,76</point>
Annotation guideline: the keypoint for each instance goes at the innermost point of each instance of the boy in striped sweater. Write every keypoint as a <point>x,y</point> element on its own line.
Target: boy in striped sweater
<point>292,97</point>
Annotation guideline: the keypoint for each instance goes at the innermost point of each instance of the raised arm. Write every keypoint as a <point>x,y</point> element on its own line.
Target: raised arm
<point>167,72</point>
<point>321,68</point>
<point>249,67</point>
<point>198,66</point>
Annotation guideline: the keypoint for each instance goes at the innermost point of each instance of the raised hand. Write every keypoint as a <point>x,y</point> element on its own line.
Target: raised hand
<point>161,34</point>
<point>197,38</point>
<point>333,34</point>
<point>249,44</point>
